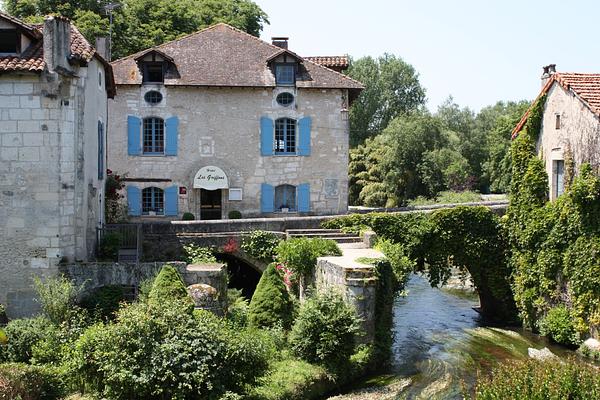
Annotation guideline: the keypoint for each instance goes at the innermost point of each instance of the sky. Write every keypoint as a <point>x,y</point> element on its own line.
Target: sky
<point>477,51</point>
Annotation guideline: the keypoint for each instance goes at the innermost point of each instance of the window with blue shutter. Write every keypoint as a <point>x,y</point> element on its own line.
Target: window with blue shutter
<point>172,125</point>
<point>171,201</point>
<point>267,196</point>
<point>100,150</point>
<point>154,136</point>
<point>303,197</point>
<point>134,126</point>
<point>285,198</point>
<point>266,136</point>
<point>304,137</point>
<point>134,201</point>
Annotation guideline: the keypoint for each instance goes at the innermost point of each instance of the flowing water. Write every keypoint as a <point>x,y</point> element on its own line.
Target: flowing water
<point>440,346</point>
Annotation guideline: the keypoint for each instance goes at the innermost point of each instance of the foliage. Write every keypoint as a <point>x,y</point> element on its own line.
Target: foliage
<point>260,245</point>
<point>104,301</point>
<point>108,249</point>
<point>238,308</point>
<point>30,382</point>
<point>402,266</point>
<point>23,335</point>
<point>558,325</point>
<point>447,197</point>
<point>234,214</point>
<point>199,255</point>
<point>300,254</point>
<point>444,169</point>
<point>325,330</point>
<point>271,304</point>
<point>157,353</point>
<point>392,88</point>
<point>188,216</point>
<point>167,287</point>
<point>57,296</point>
<point>142,24</point>
<point>114,206</point>
<point>532,379</point>
<point>387,286</point>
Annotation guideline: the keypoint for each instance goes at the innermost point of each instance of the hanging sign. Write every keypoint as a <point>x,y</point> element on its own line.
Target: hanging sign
<point>210,178</point>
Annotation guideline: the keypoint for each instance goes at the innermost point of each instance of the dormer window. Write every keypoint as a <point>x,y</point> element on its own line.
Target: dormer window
<point>285,74</point>
<point>10,41</point>
<point>154,72</point>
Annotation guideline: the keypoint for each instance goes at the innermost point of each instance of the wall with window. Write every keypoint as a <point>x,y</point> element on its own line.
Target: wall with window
<point>567,126</point>
<point>259,138</point>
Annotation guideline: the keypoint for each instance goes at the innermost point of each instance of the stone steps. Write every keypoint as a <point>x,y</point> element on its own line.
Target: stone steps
<point>333,234</point>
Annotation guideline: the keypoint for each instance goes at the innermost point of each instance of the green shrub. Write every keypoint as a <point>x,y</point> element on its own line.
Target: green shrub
<point>447,197</point>
<point>169,287</point>
<point>57,296</point>
<point>300,254</point>
<point>23,335</point>
<point>188,216</point>
<point>260,245</point>
<point>237,308</point>
<point>399,261</point>
<point>30,382</point>
<point>271,304</point>
<point>325,330</point>
<point>199,255</point>
<point>533,380</point>
<point>558,325</point>
<point>108,249</point>
<point>104,301</point>
<point>234,214</point>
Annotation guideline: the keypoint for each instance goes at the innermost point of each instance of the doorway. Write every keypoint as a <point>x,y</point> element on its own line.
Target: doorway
<point>210,204</point>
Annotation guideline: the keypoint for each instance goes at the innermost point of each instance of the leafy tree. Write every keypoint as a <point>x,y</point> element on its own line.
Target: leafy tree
<point>271,304</point>
<point>392,88</point>
<point>168,287</point>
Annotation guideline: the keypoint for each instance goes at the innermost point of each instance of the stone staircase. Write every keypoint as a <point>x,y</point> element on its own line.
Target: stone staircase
<point>332,234</point>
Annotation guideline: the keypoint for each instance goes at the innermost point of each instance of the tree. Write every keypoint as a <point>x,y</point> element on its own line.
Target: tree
<point>392,88</point>
<point>271,304</point>
<point>140,24</point>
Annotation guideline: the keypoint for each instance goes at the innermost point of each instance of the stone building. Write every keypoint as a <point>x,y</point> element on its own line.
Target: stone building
<point>220,120</point>
<point>570,123</point>
<point>53,112</point>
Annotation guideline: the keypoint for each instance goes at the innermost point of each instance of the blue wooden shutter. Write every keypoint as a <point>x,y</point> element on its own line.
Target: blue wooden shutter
<point>134,201</point>
<point>134,133</point>
<point>267,198</point>
<point>304,138</point>
<point>100,150</point>
<point>171,200</point>
<point>266,136</point>
<point>303,195</point>
<point>172,127</point>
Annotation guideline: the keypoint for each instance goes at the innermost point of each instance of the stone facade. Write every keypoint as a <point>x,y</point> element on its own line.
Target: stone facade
<point>50,191</point>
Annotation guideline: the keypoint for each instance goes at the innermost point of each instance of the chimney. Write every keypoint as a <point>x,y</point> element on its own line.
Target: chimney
<point>57,44</point>
<point>280,41</point>
<point>102,47</point>
<point>549,70</point>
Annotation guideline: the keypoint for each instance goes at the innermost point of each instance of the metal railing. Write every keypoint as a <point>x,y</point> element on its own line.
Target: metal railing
<point>129,241</point>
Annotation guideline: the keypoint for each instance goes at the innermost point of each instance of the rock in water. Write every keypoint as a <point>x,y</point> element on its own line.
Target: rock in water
<point>543,354</point>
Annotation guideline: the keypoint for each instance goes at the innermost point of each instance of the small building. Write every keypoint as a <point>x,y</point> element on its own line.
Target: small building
<point>570,123</point>
<point>221,121</point>
<point>54,89</point>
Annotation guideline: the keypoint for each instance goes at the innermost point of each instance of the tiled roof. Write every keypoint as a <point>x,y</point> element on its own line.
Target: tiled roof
<point>585,86</point>
<point>225,56</point>
<point>330,61</point>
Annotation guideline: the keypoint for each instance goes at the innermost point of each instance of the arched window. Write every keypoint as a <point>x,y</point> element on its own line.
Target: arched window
<point>154,135</point>
<point>285,136</point>
<point>153,201</point>
<point>285,197</point>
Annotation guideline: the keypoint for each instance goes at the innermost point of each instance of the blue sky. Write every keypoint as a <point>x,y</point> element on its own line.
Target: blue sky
<point>477,51</point>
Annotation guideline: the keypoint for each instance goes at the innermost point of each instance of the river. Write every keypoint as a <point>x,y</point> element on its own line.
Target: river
<point>440,345</point>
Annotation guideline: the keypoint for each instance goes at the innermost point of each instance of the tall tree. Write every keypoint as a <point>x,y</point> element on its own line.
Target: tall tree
<point>392,88</point>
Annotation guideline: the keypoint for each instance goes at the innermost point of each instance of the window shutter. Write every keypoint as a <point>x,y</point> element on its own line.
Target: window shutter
<point>134,129</point>
<point>172,127</point>
<point>267,198</point>
<point>100,150</point>
<point>266,136</point>
<point>303,197</point>
<point>134,201</point>
<point>171,200</point>
<point>304,138</point>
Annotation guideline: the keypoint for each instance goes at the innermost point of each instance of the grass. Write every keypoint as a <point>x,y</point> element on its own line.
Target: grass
<point>447,197</point>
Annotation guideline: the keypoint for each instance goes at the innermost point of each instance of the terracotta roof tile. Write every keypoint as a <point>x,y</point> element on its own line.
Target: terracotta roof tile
<point>330,61</point>
<point>585,86</point>
<point>222,55</point>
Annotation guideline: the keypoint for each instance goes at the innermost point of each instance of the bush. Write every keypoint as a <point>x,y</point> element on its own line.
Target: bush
<point>104,301</point>
<point>260,245</point>
<point>188,216</point>
<point>325,330</point>
<point>30,382</point>
<point>533,379</point>
<point>57,296</point>
<point>199,255</point>
<point>169,287</point>
<point>108,249</point>
<point>300,254</point>
<point>400,263</point>
<point>237,308</point>
<point>23,335</point>
<point>271,304</point>
<point>234,214</point>
<point>558,325</point>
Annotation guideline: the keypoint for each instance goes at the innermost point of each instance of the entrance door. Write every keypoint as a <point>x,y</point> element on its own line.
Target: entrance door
<point>210,204</point>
